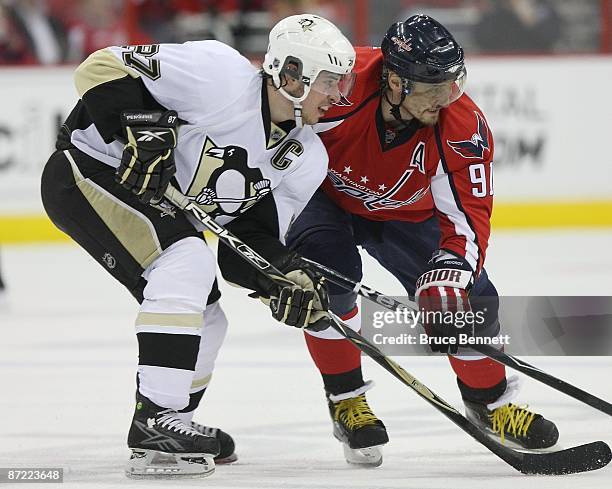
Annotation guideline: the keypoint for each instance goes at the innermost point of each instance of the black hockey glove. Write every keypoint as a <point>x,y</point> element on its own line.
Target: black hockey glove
<point>303,305</point>
<point>442,297</point>
<point>147,164</point>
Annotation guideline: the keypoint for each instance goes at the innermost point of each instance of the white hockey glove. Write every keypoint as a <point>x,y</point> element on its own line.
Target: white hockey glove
<point>147,163</point>
<point>444,288</point>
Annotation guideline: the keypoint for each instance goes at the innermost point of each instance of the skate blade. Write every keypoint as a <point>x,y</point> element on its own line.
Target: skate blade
<point>364,457</point>
<point>151,464</point>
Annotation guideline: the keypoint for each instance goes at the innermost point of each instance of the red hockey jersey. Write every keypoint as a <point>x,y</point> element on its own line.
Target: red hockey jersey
<point>445,169</point>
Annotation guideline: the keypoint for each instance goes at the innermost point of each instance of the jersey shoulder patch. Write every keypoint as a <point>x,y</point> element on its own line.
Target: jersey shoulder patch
<point>465,131</point>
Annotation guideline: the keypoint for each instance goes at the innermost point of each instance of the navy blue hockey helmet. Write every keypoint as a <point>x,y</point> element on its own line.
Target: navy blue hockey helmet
<point>422,50</point>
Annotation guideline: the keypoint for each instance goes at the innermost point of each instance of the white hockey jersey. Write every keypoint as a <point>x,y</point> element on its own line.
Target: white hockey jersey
<point>229,154</point>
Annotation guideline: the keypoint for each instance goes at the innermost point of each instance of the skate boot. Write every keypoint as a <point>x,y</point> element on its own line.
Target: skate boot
<point>513,423</point>
<point>165,447</point>
<point>227,455</point>
<point>361,433</point>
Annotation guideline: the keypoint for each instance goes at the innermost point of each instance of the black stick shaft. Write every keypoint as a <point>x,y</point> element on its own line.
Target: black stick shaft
<point>489,351</point>
<point>255,259</point>
<point>591,456</point>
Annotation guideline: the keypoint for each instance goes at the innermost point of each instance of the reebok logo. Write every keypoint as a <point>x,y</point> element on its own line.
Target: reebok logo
<point>150,135</point>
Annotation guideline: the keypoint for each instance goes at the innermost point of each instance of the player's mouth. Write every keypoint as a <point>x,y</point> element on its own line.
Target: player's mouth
<point>323,109</point>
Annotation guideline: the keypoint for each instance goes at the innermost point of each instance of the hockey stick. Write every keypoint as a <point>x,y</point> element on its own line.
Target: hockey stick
<point>489,351</point>
<point>582,458</point>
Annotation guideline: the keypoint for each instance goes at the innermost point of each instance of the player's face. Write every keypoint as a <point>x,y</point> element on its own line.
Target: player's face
<point>317,102</point>
<point>426,100</point>
<point>325,91</point>
<point>315,105</point>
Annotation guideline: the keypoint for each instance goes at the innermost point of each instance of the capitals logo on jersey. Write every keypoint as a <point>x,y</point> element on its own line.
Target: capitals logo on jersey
<point>375,200</point>
<point>476,146</point>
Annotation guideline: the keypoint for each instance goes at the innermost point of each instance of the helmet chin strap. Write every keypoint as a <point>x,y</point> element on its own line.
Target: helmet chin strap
<point>395,108</point>
<point>297,105</point>
<point>297,111</point>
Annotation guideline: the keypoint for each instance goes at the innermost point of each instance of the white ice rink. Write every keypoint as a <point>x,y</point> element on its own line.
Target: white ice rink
<point>68,357</point>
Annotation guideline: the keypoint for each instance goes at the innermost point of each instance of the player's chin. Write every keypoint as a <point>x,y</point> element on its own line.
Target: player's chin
<point>322,111</point>
<point>311,119</point>
<point>430,117</point>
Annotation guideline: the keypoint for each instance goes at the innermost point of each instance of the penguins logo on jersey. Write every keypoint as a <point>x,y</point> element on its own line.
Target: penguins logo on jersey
<point>223,183</point>
<point>476,145</point>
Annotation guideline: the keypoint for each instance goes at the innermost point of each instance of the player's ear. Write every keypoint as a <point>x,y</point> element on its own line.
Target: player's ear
<point>394,82</point>
<point>294,87</point>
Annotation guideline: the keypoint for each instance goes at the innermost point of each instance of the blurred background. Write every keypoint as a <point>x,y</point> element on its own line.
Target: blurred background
<point>63,31</point>
<point>538,68</point>
<point>541,72</point>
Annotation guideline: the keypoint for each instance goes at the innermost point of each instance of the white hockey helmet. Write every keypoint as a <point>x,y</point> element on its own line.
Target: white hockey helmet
<point>312,50</point>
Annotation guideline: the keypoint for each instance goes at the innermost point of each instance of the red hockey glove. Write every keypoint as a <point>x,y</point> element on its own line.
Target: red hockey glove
<point>442,293</point>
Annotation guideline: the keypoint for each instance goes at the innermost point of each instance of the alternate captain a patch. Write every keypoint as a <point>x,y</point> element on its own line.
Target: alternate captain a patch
<point>476,146</point>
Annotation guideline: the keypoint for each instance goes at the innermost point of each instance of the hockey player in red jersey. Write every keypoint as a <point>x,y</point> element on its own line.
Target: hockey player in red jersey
<point>410,181</point>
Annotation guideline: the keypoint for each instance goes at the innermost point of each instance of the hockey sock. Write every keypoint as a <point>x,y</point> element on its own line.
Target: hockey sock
<point>186,414</point>
<point>338,360</point>
<point>194,401</point>
<point>166,367</point>
<point>480,380</point>
<point>336,384</point>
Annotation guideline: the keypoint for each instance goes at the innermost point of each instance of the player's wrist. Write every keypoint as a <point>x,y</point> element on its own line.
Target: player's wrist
<point>446,269</point>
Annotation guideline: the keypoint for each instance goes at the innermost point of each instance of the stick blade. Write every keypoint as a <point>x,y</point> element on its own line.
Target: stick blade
<point>583,458</point>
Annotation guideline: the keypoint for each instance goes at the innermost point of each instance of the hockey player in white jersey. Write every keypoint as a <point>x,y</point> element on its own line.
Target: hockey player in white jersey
<point>237,141</point>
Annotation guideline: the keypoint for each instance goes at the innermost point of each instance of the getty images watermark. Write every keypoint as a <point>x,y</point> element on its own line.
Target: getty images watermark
<point>522,325</point>
<point>402,331</point>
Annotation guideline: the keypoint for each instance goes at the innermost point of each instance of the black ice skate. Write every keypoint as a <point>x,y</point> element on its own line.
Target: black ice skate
<point>165,447</point>
<point>514,423</point>
<point>361,433</point>
<point>227,455</point>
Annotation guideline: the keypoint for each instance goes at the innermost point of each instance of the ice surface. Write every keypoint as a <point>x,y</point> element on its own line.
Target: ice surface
<point>68,356</point>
